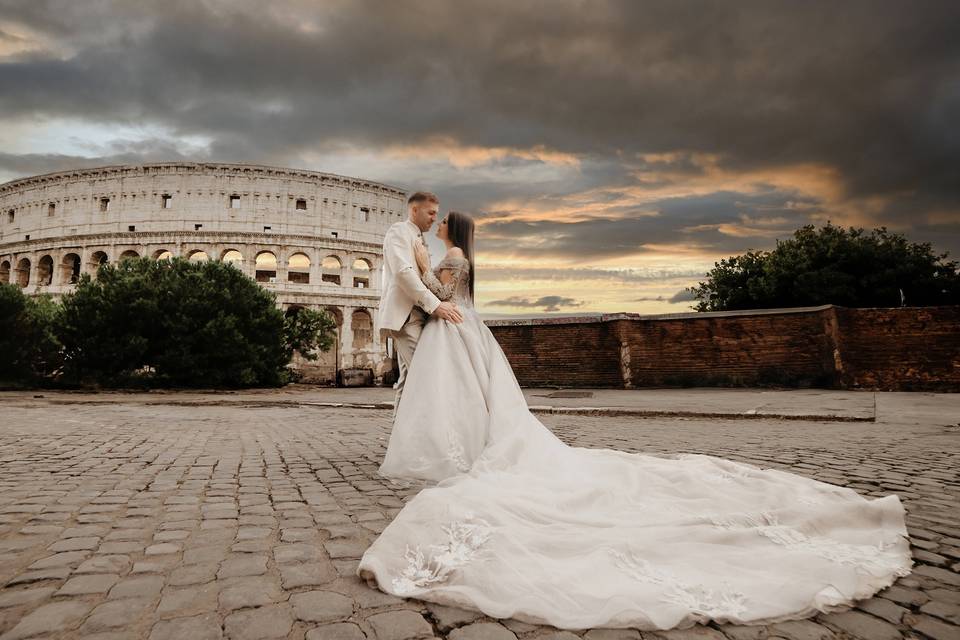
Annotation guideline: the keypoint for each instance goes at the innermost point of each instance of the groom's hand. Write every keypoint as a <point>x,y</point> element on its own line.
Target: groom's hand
<point>448,311</point>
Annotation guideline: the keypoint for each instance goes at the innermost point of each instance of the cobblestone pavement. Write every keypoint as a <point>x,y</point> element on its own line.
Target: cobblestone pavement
<point>175,522</point>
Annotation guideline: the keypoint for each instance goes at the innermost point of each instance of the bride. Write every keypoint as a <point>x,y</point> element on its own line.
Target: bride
<point>517,524</point>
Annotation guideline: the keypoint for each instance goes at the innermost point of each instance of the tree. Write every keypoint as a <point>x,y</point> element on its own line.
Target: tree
<point>832,265</point>
<point>307,330</point>
<point>29,348</point>
<point>180,323</point>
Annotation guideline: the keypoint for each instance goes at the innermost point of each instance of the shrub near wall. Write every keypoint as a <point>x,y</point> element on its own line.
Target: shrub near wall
<point>173,322</point>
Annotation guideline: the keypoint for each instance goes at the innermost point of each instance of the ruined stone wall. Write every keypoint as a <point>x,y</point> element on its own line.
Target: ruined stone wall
<point>831,347</point>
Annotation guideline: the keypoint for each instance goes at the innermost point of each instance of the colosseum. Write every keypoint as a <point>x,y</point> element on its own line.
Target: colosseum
<point>312,238</point>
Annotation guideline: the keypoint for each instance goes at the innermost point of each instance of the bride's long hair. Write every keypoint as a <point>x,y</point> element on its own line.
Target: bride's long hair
<point>460,232</point>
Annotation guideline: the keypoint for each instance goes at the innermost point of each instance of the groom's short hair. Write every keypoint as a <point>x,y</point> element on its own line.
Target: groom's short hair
<point>423,196</point>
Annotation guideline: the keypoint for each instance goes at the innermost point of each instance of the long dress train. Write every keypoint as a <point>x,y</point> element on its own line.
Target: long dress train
<point>520,525</point>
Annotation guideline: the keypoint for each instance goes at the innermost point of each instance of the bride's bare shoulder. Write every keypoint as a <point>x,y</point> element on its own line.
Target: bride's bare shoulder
<point>454,252</point>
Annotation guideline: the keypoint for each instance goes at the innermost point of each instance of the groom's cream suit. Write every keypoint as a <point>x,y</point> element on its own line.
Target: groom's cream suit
<point>405,301</point>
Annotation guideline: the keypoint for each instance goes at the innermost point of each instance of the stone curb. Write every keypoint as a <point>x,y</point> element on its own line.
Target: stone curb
<point>542,409</point>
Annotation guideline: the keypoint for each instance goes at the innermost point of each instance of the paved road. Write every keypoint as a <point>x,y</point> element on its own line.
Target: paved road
<point>134,520</point>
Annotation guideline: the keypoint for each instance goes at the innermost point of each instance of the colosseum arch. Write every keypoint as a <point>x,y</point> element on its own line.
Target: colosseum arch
<point>97,258</point>
<point>266,267</point>
<point>70,269</point>
<point>362,325</point>
<point>128,254</point>
<point>23,272</point>
<point>331,269</point>
<point>5,271</point>
<point>45,271</point>
<point>198,255</point>
<point>233,256</point>
<point>298,268</point>
<point>162,254</point>
<point>361,273</point>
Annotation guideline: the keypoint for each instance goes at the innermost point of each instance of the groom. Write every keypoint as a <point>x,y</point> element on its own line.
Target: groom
<point>405,301</point>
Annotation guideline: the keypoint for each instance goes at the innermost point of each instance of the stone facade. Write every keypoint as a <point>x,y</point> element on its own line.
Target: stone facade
<point>888,349</point>
<point>314,239</point>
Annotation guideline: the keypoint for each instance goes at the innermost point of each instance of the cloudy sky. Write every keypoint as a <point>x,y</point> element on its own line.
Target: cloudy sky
<point>610,151</point>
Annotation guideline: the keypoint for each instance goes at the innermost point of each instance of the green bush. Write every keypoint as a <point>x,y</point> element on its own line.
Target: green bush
<point>29,348</point>
<point>180,323</point>
<point>832,265</point>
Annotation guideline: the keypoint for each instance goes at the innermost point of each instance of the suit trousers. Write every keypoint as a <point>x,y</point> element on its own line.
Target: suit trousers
<point>405,343</point>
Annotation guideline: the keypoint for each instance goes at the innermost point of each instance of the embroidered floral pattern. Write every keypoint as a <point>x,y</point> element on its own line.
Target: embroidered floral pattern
<point>456,452</point>
<point>860,556</point>
<point>464,540</point>
<point>695,598</point>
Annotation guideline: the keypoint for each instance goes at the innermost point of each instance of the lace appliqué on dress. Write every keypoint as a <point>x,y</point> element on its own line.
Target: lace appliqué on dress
<point>456,452</point>
<point>695,598</point>
<point>458,267</point>
<point>464,540</point>
<point>860,556</point>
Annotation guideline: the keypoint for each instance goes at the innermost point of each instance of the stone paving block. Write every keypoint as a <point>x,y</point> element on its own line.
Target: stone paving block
<point>482,631</point>
<point>321,606</point>
<point>193,574</point>
<point>75,544</point>
<point>883,608</point>
<point>180,601</point>
<point>56,573</point>
<point>242,565</point>
<point>162,548</point>
<point>945,611</point>
<point>205,626</point>
<point>306,574</point>
<point>366,597</point>
<point>121,547</point>
<point>297,552</point>
<point>91,530</point>
<point>94,583</point>
<point>612,634</point>
<point>109,615</point>
<point>204,554</point>
<point>255,591</point>
<point>55,617</point>
<point>932,627</point>
<point>405,625</point>
<point>695,633</point>
<point>11,598</point>
<point>336,631</point>
<point>861,625</point>
<point>105,564</point>
<point>144,586</point>
<point>63,559</point>
<point>559,635</point>
<point>449,617</point>
<point>271,621</point>
<point>800,630</point>
<point>346,548</point>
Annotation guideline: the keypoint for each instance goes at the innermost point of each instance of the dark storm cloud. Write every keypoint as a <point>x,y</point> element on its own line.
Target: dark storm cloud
<point>548,303</point>
<point>871,88</point>
<point>692,221</point>
<point>680,296</point>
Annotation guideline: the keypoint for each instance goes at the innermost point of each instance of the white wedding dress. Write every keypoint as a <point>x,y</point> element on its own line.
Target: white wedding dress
<point>521,525</point>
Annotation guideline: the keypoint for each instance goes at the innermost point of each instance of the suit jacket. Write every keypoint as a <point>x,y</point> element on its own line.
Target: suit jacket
<point>401,288</point>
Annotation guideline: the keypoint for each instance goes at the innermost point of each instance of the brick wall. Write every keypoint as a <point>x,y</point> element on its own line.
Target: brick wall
<point>907,348</point>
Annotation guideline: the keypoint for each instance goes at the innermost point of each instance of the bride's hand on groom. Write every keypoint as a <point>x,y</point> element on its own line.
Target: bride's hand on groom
<point>422,257</point>
<point>449,311</point>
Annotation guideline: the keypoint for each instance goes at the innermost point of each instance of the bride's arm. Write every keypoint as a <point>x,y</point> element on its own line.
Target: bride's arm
<point>442,286</point>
